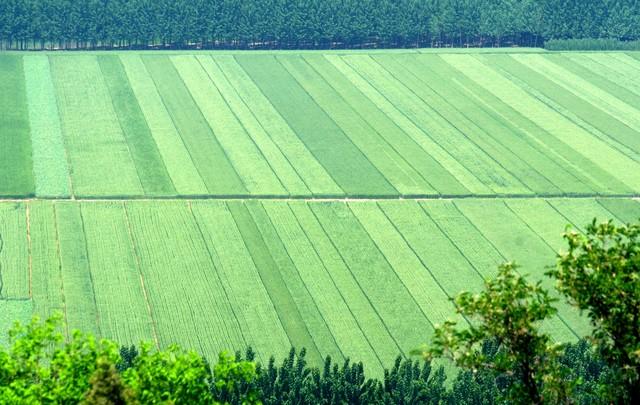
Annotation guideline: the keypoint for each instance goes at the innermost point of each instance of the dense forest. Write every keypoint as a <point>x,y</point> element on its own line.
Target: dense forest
<point>283,24</point>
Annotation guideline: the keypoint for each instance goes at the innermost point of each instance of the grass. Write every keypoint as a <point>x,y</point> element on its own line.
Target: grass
<point>16,175</point>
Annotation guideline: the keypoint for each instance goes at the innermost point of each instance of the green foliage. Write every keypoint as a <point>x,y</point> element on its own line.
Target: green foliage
<point>40,367</point>
<point>170,376</point>
<point>591,44</point>
<point>600,275</point>
<point>107,387</point>
<point>509,311</point>
<point>310,23</point>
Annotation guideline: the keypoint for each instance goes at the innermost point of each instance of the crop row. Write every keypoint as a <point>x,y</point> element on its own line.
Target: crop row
<point>363,280</point>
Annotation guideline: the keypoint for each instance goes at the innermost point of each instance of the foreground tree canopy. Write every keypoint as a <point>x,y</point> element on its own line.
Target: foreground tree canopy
<point>311,23</point>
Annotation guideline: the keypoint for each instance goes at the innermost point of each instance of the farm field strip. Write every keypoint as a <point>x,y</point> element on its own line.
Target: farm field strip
<point>430,175</point>
<point>183,173</point>
<point>428,119</point>
<point>99,157</point>
<point>595,76</point>
<point>573,108</point>
<point>189,302</point>
<point>277,161</point>
<point>600,153</point>
<point>390,164</point>
<point>601,110</point>
<point>321,135</point>
<point>449,105</point>
<point>144,152</point>
<point>127,125</point>
<point>50,168</point>
<point>542,168</point>
<point>16,174</point>
<point>589,176</point>
<point>237,146</point>
<point>209,158</point>
<point>314,175</point>
<point>359,279</point>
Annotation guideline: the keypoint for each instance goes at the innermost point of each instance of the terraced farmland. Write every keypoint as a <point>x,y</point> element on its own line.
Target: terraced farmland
<point>334,201</point>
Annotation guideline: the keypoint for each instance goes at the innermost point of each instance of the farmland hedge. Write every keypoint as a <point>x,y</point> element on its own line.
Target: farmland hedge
<point>268,24</point>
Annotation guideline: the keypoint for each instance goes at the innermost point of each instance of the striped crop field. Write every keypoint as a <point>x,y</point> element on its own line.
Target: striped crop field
<point>319,125</point>
<point>334,201</point>
<point>360,279</point>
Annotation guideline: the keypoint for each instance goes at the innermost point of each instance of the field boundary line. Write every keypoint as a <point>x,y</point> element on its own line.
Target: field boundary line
<point>59,251</point>
<point>29,248</point>
<point>327,198</point>
<point>139,268</point>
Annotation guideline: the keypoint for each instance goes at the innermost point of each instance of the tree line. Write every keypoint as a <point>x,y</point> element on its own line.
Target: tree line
<point>312,24</point>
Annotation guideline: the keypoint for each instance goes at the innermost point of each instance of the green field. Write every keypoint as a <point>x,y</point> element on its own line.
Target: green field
<point>333,201</point>
<point>323,125</point>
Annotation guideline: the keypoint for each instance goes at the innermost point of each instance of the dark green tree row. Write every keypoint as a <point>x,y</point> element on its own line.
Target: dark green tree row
<point>71,24</point>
